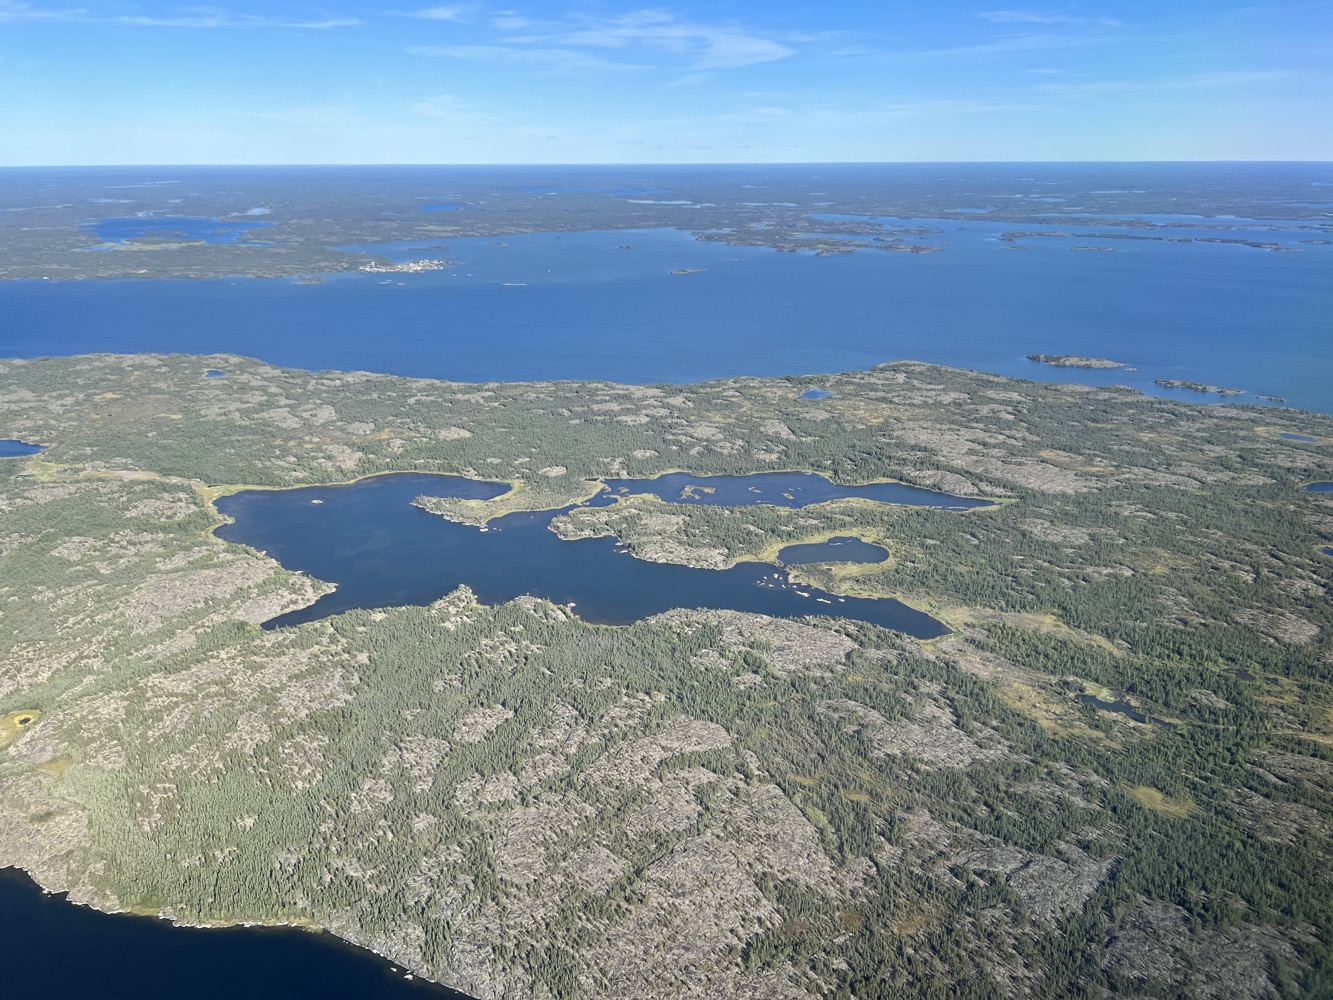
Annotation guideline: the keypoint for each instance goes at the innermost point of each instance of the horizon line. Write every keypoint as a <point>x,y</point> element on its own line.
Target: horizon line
<point>607,164</point>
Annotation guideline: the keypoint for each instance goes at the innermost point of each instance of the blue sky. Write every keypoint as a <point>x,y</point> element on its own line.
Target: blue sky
<point>92,82</point>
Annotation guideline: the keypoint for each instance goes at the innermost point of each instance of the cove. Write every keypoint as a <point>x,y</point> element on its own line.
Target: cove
<point>63,950</point>
<point>381,551</point>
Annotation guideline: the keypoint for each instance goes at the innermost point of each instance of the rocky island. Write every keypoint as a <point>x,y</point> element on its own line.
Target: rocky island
<point>1074,361</point>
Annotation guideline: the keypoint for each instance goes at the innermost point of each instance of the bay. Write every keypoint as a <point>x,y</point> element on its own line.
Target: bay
<point>544,306</point>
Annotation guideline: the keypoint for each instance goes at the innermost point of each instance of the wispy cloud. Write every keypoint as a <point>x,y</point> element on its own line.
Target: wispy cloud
<point>553,58</point>
<point>452,12</point>
<point>12,11</point>
<point>451,109</point>
<point>1002,46</point>
<point>216,17</point>
<point>701,45</point>
<point>189,17</point>
<point>1044,17</point>
<point>1195,81</point>
<point>319,117</point>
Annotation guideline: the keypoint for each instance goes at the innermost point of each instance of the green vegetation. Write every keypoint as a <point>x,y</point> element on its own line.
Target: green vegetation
<point>516,803</point>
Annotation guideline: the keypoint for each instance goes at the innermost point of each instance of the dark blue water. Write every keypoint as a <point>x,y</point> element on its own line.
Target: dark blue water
<point>443,206</point>
<point>573,305</point>
<point>9,448</point>
<point>172,228</point>
<point>1299,437</point>
<point>782,489</point>
<point>843,549</point>
<point>1319,488</point>
<point>54,949</point>
<point>215,373</point>
<point>816,394</point>
<point>381,551</point>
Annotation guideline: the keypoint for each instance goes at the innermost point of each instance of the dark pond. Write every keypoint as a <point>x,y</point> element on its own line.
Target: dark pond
<point>442,207</point>
<point>1299,437</point>
<point>1327,551</point>
<point>841,549</point>
<point>172,228</point>
<point>214,373</point>
<point>1123,707</point>
<point>782,489</point>
<point>816,394</point>
<point>56,949</point>
<point>381,551</point>
<point>1319,488</point>
<point>9,448</point>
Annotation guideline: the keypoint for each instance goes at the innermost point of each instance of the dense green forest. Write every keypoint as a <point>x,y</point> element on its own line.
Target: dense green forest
<point>705,803</point>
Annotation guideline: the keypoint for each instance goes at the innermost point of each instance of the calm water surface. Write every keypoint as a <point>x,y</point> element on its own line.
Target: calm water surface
<point>842,549</point>
<point>381,551</point>
<point>575,305</point>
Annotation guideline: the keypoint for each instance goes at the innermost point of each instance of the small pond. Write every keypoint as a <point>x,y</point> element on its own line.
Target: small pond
<point>1319,488</point>
<point>842,549</point>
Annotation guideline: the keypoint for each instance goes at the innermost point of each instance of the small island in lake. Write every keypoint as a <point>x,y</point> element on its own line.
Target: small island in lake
<point>1176,383</point>
<point>1074,361</point>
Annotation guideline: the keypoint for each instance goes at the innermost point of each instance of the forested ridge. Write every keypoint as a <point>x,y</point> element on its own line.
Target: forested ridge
<point>516,803</point>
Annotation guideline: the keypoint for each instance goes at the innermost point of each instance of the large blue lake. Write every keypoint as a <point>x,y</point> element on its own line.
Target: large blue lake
<point>576,305</point>
<point>390,553</point>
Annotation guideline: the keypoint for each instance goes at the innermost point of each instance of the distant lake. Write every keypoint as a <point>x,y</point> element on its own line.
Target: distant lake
<point>56,949</point>
<point>381,551</point>
<point>172,228</point>
<point>575,306</point>
<point>1319,488</point>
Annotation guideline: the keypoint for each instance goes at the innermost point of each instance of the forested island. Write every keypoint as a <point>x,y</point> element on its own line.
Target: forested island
<point>514,802</point>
